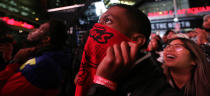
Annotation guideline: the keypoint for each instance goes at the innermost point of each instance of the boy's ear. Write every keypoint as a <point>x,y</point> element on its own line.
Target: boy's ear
<point>139,39</point>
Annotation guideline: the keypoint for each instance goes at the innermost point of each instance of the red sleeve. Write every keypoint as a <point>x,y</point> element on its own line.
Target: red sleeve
<point>18,85</point>
<point>7,73</point>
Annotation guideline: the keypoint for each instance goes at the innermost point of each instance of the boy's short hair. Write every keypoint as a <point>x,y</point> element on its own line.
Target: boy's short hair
<point>139,20</point>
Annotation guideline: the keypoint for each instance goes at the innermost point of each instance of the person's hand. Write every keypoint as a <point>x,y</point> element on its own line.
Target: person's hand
<point>6,49</point>
<point>23,55</point>
<point>118,61</point>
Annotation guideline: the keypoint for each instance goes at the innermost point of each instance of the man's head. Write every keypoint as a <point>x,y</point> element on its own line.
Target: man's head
<point>39,33</point>
<point>206,21</point>
<point>128,20</point>
<point>168,35</point>
<point>51,33</point>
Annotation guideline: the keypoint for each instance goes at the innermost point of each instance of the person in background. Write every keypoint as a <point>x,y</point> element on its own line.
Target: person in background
<point>6,45</point>
<point>37,71</point>
<point>155,43</point>
<point>155,47</point>
<point>204,32</point>
<point>119,23</point>
<point>192,35</point>
<point>203,36</point>
<point>186,66</point>
<point>168,35</point>
<point>76,61</point>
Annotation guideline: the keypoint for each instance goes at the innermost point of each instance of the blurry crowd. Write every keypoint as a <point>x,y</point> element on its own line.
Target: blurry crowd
<point>201,36</point>
<point>119,57</point>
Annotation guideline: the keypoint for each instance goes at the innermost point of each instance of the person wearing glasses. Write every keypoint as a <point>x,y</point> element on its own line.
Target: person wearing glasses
<point>185,69</point>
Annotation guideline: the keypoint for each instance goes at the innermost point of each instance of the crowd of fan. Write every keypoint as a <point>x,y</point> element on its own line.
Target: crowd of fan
<point>120,58</point>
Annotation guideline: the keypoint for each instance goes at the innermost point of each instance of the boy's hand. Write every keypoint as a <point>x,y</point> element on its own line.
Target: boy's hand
<point>118,61</point>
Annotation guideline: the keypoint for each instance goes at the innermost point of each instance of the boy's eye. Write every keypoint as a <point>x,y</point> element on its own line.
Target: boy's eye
<point>107,21</point>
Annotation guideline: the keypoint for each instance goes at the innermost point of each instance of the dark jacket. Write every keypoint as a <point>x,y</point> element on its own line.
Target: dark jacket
<point>145,79</point>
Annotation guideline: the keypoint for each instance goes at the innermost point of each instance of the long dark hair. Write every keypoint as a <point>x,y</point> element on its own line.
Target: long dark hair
<point>199,83</point>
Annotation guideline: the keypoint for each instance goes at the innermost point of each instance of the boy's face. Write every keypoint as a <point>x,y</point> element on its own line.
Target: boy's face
<point>116,18</point>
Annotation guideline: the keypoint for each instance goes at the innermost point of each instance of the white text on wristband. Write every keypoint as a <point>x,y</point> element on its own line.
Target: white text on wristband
<point>105,82</point>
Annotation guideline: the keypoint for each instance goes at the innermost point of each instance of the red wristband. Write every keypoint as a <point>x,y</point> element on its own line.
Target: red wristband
<point>105,82</point>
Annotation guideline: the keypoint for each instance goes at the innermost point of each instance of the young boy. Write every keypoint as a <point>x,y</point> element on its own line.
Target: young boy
<point>119,23</point>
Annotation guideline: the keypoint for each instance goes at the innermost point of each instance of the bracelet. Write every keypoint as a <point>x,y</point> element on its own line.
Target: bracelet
<point>105,82</point>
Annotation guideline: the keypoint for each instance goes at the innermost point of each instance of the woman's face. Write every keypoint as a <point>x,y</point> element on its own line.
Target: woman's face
<point>177,56</point>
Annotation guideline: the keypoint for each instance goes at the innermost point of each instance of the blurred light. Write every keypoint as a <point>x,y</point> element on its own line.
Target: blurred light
<point>33,13</point>
<point>176,19</point>
<point>114,1</point>
<point>164,4</point>
<point>3,5</point>
<point>127,2</point>
<point>188,11</point>
<point>37,19</point>
<point>100,8</point>
<point>16,23</point>
<point>65,8</point>
<point>24,13</point>
<point>13,3</point>
<point>160,12</point>
<point>20,31</point>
